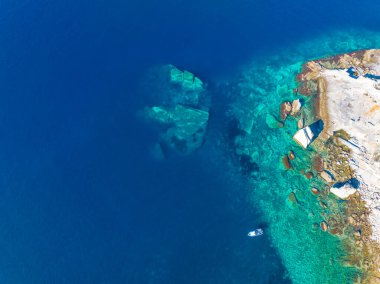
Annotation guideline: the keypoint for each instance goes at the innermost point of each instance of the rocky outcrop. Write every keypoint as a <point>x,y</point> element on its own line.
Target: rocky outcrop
<point>296,107</point>
<point>285,110</point>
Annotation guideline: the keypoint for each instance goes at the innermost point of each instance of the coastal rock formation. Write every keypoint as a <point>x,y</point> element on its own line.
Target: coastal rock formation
<point>352,103</point>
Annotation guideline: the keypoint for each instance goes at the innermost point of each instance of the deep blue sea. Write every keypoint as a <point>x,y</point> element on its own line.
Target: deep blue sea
<point>82,200</point>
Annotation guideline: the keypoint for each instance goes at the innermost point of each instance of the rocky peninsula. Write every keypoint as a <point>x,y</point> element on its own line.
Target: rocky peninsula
<point>345,91</point>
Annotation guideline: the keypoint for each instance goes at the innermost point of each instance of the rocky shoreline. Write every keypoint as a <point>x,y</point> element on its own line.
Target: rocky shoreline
<point>345,93</point>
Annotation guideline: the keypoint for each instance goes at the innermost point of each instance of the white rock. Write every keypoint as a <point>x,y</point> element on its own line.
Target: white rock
<point>304,137</point>
<point>343,192</point>
<point>307,134</point>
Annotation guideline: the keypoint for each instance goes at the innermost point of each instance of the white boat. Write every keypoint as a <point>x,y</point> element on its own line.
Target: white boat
<point>256,233</point>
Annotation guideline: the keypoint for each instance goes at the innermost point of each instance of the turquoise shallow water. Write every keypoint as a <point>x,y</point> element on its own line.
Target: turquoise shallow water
<point>310,256</point>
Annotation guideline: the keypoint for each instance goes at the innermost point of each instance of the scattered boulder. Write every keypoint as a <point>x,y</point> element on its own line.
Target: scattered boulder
<point>314,190</point>
<point>357,233</point>
<point>300,123</point>
<point>335,231</point>
<point>309,175</point>
<point>285,110</point>
<point>296,107</point>
<point>318,163</point>
<point>291,155</point>
<point>327,176</point>
<point>324,226</point>
<point>286,162</point>
<point>323,205</point>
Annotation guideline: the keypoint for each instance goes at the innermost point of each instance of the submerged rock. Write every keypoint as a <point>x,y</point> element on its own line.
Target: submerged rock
<point>286,162</point>
<point>179,106</point>
<point>292,198</point>
<point>168,85</point>
<point>187,126</point>
<point>273,122</point>
<point>314,190</point>
<point>185,79</point>
<point>248,166</point>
